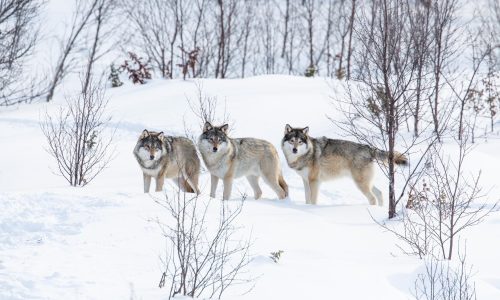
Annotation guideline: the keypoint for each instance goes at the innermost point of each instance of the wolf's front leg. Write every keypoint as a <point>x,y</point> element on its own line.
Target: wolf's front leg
<point>307,190</point>
<point>147,182</point>
<point>314,188</point>
<point>214,180</point>
<point>159,183</point>
<point>228,186</point>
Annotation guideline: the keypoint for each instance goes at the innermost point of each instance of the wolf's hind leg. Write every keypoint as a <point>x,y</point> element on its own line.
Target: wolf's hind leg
<point>378,195</point>
<point>185,185</point>
<point>254,183</point>
<point>366,189</point>
<point>273,182</point>
<point>147,182</point>
<point>190,183</point>
<point>283,184</point>
<point>193,182</point>
<point>363,177</point>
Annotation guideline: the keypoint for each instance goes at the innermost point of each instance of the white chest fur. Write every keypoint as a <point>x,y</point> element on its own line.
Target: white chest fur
<point>304,173</point>
<point>217,163</point>
<point>151,172</point>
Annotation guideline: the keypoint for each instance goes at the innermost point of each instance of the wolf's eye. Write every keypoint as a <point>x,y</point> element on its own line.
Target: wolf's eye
<point>300,142</point>
<point>146,147</point>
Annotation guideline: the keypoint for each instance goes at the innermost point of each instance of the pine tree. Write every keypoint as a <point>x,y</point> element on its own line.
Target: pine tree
<point>114,76</point>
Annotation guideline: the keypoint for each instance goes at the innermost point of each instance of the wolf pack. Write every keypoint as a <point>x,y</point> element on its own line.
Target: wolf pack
<point>315,159</point>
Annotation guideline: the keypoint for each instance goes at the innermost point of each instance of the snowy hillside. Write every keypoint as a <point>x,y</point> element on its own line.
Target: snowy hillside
<point>102,241</point>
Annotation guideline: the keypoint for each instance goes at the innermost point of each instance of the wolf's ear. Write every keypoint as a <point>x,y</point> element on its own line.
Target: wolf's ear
<point>288,129</point>
<point>161,136</point>
<point>145,133</point>
<point>207,126</point>
<point>224,128</point>
<point>305,130</point>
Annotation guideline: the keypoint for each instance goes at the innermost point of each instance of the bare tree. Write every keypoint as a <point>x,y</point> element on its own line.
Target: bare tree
<point>379,100</point>
<point>158,24</point>
<point>370,21</point>
<point>102,15</point>
<point>202,259</point>
<point>491,88</point>
<point>190,62</point>
<point>351,30</point>
<point>204,37</point>
<point>491,29</point>
<point>443,281</point>
<point>18,36</point>
<point>444,203</point>
<point>268,33</point>
<point>82,17</point>
<point>248,17</point>
<point>419,17</point>
<point>76,136</point>
<point>294,47</point>
<point>207,109</point>
<point>343,30</point>
<point>227,13</point>
<point>286,22</point>
<point>309,15</point>
<point>469,94</point>
<point>443,52</point>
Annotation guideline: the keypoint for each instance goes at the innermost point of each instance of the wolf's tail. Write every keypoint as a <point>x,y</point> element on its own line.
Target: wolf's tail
<point>399,158</point>
<point>283,184</point>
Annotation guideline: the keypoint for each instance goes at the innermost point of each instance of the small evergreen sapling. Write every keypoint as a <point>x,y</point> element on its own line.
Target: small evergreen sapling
<point>114,76</point>
<point>311,71</point>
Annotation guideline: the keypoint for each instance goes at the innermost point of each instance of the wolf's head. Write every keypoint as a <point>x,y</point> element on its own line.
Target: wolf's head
<point>151,145</point>
<point>296,140</point>
<point>213,138</point>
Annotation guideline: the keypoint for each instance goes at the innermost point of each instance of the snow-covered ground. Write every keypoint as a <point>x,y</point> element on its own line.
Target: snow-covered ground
<point>102,241</point>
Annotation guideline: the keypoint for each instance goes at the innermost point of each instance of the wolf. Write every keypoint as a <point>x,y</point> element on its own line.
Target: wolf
<point>320,159</point>
<point>227,158</point>
<point>161,156</point>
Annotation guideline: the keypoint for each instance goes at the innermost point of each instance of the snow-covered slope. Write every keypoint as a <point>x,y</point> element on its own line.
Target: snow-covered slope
<point>102,241</point>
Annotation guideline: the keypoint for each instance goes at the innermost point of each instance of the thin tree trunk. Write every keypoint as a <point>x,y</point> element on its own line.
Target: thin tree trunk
<point>349,47</point>
<point>93,52</point>
<point>75,33</point>
<point>221,54</point>
<point>287,19</point>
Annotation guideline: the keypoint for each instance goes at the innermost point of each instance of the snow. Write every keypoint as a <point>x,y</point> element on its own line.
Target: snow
<point>102,241</point>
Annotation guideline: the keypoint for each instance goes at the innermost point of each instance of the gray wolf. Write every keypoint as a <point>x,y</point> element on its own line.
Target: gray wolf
<point>227,158</point>
<point>161,157</point>
<point>321,159</point>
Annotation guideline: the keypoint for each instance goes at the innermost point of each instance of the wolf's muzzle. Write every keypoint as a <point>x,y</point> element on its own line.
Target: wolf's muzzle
<point>151,157</point>
<point>214,149</point>
<point>294,150</point>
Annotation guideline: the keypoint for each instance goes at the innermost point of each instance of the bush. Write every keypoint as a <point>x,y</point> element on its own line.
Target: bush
<point>311,71</point>
<point>137,69</point>
<point>76,136</point>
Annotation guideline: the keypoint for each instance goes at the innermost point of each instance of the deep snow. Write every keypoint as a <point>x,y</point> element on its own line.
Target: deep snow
<point>102,241</point>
